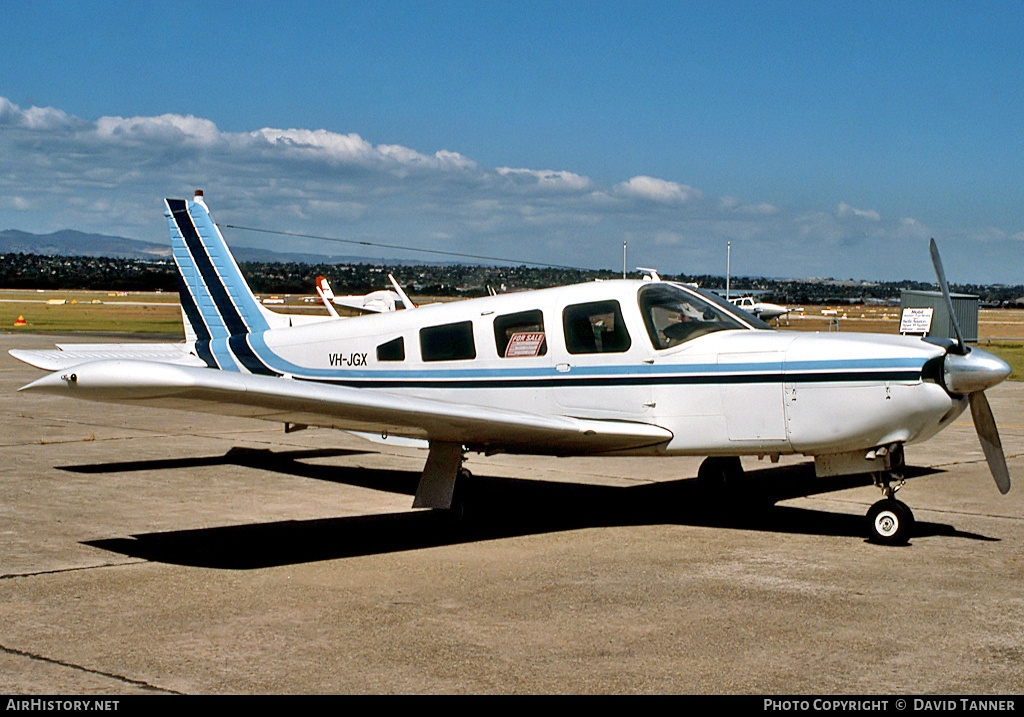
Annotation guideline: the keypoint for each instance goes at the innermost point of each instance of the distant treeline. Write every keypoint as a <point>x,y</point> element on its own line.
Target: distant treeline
<point>33,271</point>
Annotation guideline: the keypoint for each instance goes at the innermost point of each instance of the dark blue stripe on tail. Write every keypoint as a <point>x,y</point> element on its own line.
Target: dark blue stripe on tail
<point>225,306</point>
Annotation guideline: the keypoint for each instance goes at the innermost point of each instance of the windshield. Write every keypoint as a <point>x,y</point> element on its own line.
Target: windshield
<point>673,316</point>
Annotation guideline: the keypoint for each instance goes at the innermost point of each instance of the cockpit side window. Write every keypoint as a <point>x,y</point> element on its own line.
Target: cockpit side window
<point>673,316</point>
<point>595,327</point>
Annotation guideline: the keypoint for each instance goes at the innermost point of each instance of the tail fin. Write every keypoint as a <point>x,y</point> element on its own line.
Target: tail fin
<point>324,288</point>
<point>326,295</point>
<point>216,301</point>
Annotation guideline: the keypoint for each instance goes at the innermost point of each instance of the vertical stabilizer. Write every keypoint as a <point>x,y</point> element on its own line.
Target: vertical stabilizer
<point>215,299</point>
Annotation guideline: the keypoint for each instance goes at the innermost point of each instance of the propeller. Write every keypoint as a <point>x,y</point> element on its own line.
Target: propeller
<point>970,371</point>
<point>937,263</point>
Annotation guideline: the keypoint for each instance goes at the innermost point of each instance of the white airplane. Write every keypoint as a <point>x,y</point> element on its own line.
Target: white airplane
<point>623,367</point>
<point>372,303</point>
<point>761,309</point>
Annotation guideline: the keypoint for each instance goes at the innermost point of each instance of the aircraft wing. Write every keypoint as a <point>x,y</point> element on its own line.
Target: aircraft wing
<point>66,356</point>
<point>356,304</point>
<point>329,405</point>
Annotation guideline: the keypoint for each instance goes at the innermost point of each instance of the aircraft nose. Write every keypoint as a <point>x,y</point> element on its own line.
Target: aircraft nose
<point>974,371</point>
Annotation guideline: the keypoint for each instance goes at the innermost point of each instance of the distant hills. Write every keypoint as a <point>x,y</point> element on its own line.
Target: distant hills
<point>69,242</point>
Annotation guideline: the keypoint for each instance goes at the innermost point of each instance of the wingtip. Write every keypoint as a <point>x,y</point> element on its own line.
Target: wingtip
<point>48,383</point>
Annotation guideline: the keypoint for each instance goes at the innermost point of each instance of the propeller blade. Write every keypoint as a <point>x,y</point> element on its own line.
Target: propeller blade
<point>937,263</point>
<point>985,424</point>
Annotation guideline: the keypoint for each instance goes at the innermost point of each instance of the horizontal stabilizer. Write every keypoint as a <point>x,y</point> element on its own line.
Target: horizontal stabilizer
<point>66,356</point>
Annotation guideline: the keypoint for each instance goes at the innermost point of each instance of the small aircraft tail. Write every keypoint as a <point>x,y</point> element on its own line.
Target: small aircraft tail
<point>216,301</point>
<point>323,289</point>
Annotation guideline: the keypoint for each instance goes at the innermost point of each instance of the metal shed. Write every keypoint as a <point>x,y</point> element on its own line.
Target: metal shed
<point>965,308</point>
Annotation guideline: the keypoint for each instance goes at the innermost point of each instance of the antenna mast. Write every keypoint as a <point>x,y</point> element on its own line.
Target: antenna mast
<point>728,261</point>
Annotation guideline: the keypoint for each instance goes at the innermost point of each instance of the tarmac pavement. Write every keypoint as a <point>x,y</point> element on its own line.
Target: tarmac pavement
<point>148,551</point>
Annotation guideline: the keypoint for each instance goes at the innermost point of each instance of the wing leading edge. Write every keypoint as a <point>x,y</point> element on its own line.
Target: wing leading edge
<point>332,406</point>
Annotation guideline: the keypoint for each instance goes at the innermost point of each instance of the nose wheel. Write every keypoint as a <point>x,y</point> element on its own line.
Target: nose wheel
<point>890,521</point>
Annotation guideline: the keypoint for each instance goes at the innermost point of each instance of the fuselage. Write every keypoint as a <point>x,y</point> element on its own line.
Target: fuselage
<point>637,351</point>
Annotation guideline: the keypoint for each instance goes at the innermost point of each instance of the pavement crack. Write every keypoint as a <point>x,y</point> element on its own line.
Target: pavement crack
<point>71,666</point>
<point>57,571</point>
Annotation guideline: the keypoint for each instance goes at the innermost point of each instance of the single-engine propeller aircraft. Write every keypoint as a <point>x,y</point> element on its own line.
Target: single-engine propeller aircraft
<point>761,309</point>
<point>623,367</point>
<point>372,303</point>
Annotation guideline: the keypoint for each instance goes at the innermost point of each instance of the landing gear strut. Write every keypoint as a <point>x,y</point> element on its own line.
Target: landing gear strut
<point>890,521</point>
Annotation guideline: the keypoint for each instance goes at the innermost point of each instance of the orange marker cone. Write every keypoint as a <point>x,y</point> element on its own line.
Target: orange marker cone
<point>21,321</point>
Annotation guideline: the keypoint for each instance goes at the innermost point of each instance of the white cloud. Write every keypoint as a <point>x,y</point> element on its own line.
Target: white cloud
<point>453,160</point>
<point>548,178</point>
<point>845,211</point>
<point>910,228</point>
<point>34,118</point>
<point>657,190</point>
<point>18,204</point>
<point>165,128</point>
<point>321,144</point>
<point>109,175</point>
<point>987,235</point>
<point>348,211</point>
<point>732,204</point>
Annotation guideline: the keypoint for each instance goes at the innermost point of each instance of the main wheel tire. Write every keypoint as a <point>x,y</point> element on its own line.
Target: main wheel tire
<point>459,512</point>
<point>890,522</point>
<point>720,472</point>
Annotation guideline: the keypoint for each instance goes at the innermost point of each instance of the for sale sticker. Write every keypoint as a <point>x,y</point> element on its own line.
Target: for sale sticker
<point>524,345</point>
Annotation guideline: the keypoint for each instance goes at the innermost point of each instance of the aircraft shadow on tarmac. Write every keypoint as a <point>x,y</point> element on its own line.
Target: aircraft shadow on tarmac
<point>492,508</point>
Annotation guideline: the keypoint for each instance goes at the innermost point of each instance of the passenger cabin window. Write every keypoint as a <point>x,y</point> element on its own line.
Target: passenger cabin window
<point>594,328</point>
<point>450,342</point>
<point>393,350</point>
<point>673,316</point>
<point>520,335</point>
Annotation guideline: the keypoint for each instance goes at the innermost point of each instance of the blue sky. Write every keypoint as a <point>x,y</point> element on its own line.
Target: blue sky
<point>820,139</point>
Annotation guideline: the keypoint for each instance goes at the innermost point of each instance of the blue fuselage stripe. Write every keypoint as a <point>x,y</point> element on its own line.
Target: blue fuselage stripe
<point>252,352</point>
<point>247,357</point>
<point>628,380</point>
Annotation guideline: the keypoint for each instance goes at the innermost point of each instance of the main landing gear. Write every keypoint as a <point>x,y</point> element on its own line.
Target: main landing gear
<point>719,473</point>
<point>890,521</point>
